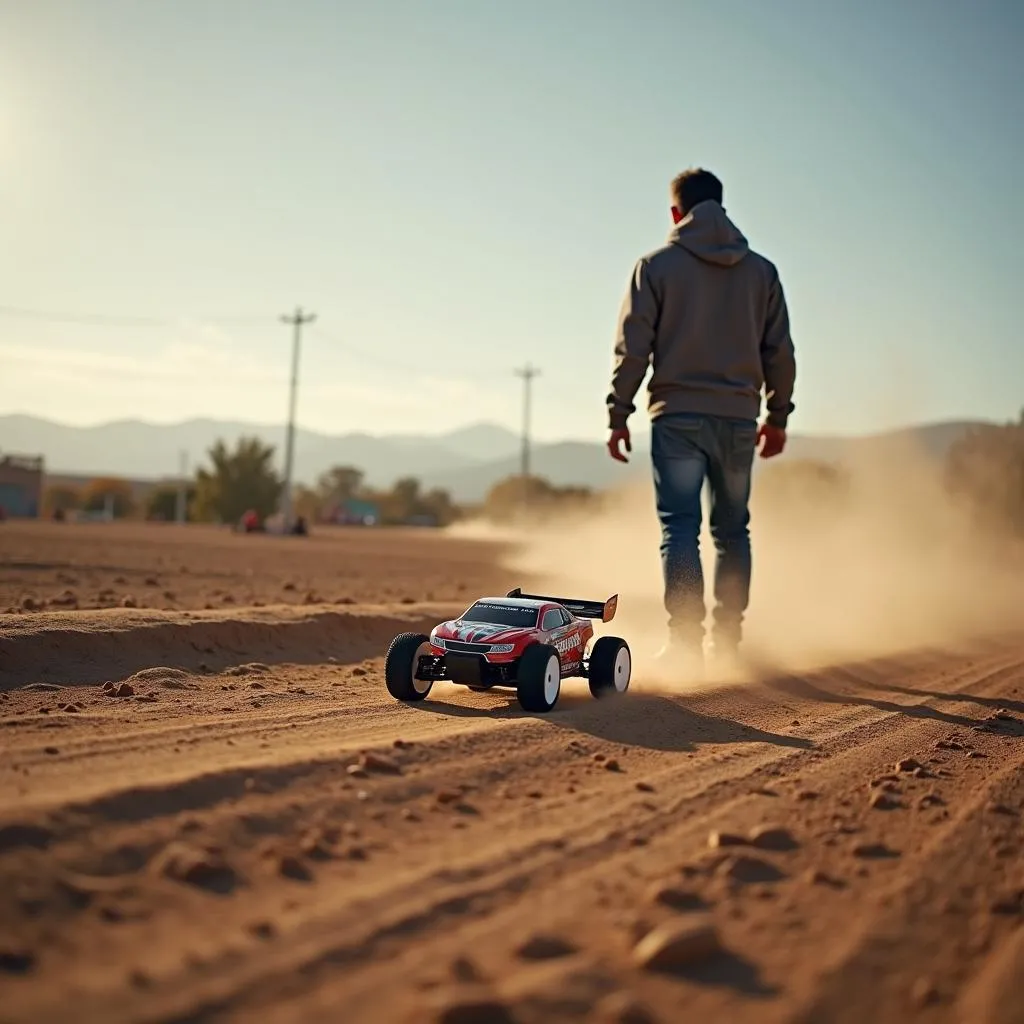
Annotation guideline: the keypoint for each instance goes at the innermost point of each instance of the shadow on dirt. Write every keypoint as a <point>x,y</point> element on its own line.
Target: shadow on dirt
<point>727,971</point>
<point>639,720</point>
<point>805,689</point>
<point>993,703</point>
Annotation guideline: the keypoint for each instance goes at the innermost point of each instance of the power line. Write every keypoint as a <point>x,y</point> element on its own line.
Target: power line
<point>119,320</point>
<point>297,320</point>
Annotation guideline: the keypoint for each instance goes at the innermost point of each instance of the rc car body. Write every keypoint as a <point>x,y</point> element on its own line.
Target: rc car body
<point>529,642</point>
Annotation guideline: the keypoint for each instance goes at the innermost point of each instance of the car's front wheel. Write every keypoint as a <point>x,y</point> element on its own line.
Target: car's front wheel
<point>401,667</point>
<point>538,678</point>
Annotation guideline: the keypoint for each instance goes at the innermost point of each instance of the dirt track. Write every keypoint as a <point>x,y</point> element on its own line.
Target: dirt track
<point>208,847</point>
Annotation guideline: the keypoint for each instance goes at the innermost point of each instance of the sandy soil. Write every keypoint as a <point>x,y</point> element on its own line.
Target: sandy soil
<point>221,815</point>
<point>49,566</point>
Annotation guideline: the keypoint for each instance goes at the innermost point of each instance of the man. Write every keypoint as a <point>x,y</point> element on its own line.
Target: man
<point>710,315</point>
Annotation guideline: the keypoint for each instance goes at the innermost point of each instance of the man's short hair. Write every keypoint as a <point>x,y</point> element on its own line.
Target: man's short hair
<point>695,186</point>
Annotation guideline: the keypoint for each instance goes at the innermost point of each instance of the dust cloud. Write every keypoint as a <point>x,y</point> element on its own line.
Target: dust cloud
<point>867,559</point>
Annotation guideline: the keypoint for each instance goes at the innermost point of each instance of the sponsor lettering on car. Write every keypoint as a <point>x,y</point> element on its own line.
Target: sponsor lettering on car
<point>567,644</point>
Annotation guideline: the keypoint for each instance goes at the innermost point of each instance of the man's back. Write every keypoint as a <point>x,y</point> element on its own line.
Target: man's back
<point>710,314</point>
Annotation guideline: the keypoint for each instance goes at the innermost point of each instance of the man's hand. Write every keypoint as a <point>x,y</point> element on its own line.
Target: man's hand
<point>774,439</point>
<point>615,442</point>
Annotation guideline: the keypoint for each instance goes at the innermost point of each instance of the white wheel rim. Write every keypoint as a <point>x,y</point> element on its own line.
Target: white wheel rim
<point>418,684</point>
<point>552,680</point>
<point>620,674</point>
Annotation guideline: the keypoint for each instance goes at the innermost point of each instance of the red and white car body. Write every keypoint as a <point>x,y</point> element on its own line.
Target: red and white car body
<point>527,641</point>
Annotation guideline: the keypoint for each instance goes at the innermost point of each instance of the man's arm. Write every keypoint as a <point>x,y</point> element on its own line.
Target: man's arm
<point>634,342</point>
<point>778,358</point>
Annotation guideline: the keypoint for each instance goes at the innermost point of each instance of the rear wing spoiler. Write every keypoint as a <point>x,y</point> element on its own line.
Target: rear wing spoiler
<point>603,610</point>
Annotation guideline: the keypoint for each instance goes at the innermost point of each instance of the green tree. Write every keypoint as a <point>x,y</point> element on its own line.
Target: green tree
<point>237,481</point>
<point>516,496</point>
<point>98,492</point>
<point>339,484</point>
<point>162,502</point>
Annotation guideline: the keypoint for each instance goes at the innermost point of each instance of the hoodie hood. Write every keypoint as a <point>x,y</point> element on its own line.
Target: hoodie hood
<point>708,233</point>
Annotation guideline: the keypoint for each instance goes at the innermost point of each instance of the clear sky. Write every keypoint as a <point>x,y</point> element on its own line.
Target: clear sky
<point>459,186</point>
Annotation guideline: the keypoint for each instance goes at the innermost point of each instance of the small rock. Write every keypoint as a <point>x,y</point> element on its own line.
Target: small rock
<point>204,867</point>
<point>677,945</point>
<point>263,929</point>
<point>611,765</point>
<point>749,870</point>
<point>645,787</point>
<point>924,992</point>
<point>874,851</point>
<point>717,840</point>
<point>773,837</point>
<point>976,754</point>
<point>1001,809</point>
<point>883,802</point>
<point>291,866</point>
<point>882,780</point>
<point>51,750</point>
<point>448,796</point>
<point>675,898</point>
<point>402,744</point>
<point>129,602</point>
<point>815,876</point>
<point>599,757</point>
<point>907,765</point>
<point>357,771</point>
<point>807,794</point>
<point>545,947</point>
<point>380,763</point>
<point>463,969</point>
<point>359,671</point>
<point>930,800</point>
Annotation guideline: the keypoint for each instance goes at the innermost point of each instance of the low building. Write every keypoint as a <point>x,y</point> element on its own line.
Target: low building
<point>354,512</point>
<point>21,486</point>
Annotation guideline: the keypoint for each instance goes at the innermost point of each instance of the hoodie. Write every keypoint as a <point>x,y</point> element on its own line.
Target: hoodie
<point>707,314</point>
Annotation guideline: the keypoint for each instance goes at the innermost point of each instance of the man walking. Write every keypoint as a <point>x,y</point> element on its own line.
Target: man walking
<point>709,313</point>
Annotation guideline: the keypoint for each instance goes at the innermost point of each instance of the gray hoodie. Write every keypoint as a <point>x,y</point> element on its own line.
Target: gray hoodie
<point>710,314</point>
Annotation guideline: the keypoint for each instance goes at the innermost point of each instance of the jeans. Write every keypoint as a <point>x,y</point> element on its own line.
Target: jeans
<point>686,449</point>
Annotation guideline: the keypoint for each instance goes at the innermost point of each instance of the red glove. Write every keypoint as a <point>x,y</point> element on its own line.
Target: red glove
<point>618,438</point>
<point>774,439</point>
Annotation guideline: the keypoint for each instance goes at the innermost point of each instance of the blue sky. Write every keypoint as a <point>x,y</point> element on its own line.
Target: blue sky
<point>459,186</point>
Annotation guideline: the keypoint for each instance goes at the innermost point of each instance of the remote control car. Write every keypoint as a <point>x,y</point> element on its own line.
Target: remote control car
<point>525,641</point>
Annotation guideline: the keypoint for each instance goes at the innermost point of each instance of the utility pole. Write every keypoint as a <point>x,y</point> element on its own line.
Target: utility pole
<point>297,320</point>
<point>527,372</point>
<point>180,505</point>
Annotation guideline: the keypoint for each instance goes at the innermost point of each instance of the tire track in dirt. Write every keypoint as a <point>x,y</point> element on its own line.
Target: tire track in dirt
<point>468,871</point>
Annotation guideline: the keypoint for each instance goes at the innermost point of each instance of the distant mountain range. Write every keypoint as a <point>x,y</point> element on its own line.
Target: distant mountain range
<point>466,462</point>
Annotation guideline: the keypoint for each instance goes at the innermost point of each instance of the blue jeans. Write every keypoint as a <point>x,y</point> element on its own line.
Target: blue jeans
<point>686,450</point>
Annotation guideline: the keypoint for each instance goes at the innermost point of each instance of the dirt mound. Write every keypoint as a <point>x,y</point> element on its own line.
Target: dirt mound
<point>97,646</point>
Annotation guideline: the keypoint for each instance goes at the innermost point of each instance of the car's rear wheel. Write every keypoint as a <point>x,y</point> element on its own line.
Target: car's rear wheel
<point>401,667</point>
<point>538,678</point>
<point>610,667</point>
